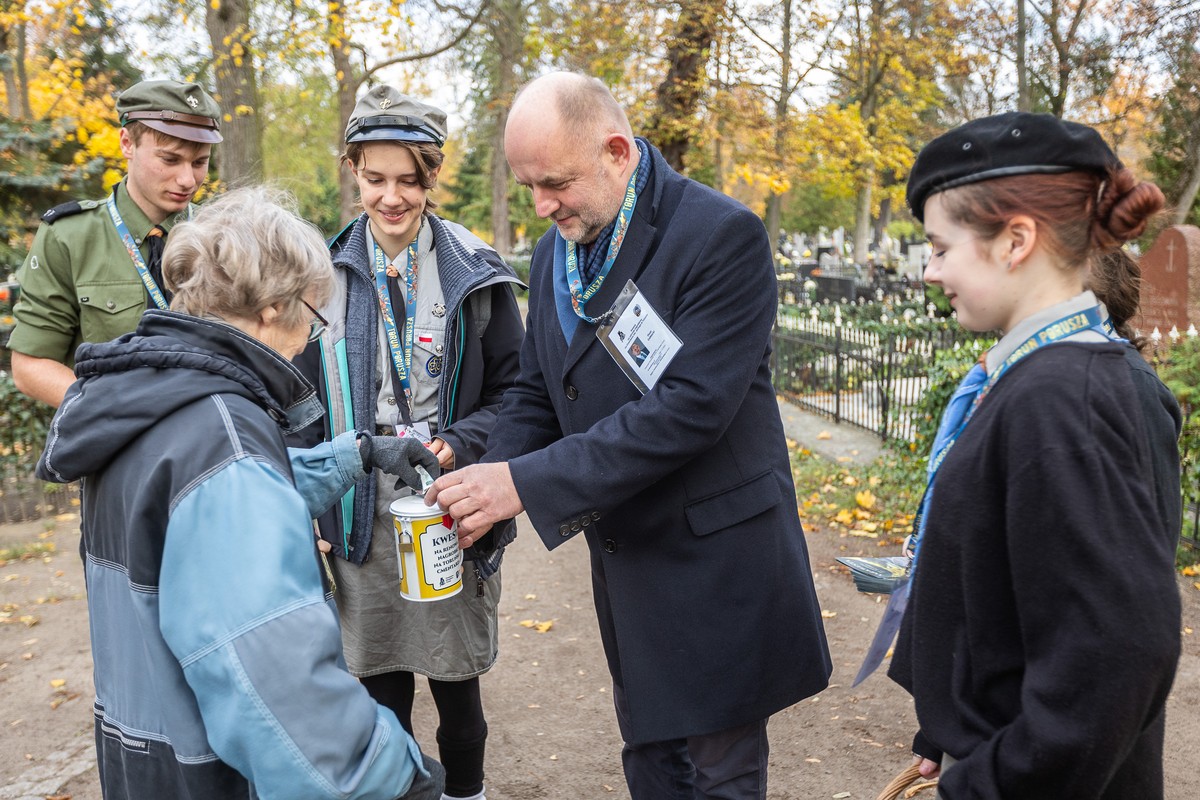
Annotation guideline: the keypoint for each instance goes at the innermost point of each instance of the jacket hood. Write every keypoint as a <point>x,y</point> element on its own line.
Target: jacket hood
<point>128,385</point>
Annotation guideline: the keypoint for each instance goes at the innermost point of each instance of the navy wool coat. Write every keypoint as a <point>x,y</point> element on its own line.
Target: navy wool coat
<point>700,571</point>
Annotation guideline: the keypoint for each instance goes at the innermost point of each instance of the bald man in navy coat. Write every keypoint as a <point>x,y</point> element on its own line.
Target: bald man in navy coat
<point>702,584</point>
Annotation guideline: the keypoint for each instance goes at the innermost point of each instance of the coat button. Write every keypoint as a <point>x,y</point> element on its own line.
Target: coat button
<point>110,305</point>
<point>564,530</point>
<point>610,546</point>
<point>572,393</point>
<point>595,516</point>
<point>576,527</point>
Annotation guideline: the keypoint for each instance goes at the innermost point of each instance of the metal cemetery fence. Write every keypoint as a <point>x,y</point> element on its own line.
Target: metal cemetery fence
<point>873,380</point>
<point>860,377</point>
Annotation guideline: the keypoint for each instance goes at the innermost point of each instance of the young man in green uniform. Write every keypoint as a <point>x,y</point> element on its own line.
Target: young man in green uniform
<point>95,265</point>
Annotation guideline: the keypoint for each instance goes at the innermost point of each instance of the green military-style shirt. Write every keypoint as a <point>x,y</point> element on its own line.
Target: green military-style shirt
<point>78,283</point>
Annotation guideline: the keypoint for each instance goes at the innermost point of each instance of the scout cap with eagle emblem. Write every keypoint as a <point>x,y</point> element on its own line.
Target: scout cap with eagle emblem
<point>182,110</point>
<point>385,114</point>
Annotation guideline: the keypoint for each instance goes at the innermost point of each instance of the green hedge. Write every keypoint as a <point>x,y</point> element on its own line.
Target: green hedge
<point>24,424</point>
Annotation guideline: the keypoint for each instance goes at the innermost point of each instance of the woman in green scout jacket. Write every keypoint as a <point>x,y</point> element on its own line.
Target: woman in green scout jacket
<point>440,379</point>
<point>1042,631</point>
<point>96,265</point>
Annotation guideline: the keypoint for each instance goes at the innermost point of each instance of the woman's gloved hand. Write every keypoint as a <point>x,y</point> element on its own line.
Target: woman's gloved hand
<point>398,457</point>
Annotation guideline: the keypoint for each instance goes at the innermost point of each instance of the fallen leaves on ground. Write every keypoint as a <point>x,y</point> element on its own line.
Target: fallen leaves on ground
<point>537,625</point>
<point>61,693</point>
<point>11,618</point>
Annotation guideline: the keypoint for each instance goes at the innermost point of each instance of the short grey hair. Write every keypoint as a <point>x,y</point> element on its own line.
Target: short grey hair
<point>243,252</point>
<point>586,102</point>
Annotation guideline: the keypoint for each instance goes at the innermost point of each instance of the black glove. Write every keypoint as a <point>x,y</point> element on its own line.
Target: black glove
<point>397,456</point>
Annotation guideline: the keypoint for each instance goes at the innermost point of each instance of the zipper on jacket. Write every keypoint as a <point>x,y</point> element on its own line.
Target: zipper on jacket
<point>458,356</point>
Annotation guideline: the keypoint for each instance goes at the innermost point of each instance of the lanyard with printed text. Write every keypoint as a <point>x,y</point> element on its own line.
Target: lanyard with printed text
<point>897,603</point>
<point>140,263</point>
<point>401,351</point>
<point>579,295</point>
<point>1056,331</point>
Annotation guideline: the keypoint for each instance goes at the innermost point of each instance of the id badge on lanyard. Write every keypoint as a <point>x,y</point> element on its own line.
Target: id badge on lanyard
<point>638,338</point>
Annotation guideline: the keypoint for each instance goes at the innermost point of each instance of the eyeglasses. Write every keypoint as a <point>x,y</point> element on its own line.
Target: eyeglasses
<point>318,325</point>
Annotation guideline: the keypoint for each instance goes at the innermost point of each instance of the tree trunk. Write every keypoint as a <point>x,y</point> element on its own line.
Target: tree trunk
<point>1023,103</point>
<point>240,156</point>
<point>775,201</point>
<point>16,80</point>
<point>774,213</point>
<point>502,229</point>
<point>719,138</point>
<point>719,156</point>
<point>347,89</point>
<point>862,222</point>
<point>1192,188</point>
<point>873,71</point>
<point>882,221</point>
<point>678,96</point>
<point>10,76</point>
<point>508,34</point>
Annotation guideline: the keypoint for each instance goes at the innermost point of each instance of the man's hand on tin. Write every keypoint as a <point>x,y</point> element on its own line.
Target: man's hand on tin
<point>478,497</point>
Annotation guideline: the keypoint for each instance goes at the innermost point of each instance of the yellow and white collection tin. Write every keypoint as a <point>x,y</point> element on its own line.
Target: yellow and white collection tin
<point>427,550</point>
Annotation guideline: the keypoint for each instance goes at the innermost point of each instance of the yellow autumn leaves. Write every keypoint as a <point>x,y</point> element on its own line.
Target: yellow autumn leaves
<point>537,625</point>
<point>858,512</point>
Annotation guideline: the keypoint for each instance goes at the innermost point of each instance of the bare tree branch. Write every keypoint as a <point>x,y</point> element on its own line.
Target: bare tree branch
<point>368,71</point>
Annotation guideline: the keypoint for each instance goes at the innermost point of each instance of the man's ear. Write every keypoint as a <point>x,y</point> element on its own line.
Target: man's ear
<point>126,143</point>
<point>619,148</point>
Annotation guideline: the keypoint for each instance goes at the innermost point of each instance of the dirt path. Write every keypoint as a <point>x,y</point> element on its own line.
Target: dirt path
<point>553,734</point>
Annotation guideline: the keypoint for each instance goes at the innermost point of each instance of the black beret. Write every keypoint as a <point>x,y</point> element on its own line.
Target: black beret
<point>1015,143</point>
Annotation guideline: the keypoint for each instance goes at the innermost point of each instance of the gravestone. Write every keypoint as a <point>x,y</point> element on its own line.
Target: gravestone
<point>1171,281</point>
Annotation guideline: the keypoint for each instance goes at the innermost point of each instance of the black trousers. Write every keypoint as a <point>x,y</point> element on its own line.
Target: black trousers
<point>462,729</point>
<point>724,765</point>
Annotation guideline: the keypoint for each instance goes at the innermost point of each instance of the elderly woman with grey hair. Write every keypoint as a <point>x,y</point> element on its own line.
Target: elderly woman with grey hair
<point>218,661</point>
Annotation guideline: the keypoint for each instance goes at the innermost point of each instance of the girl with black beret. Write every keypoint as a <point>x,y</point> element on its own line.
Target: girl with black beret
<point>1043,627</point>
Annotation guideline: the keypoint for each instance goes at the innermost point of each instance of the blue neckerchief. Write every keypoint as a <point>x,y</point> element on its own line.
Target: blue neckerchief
<point>974,387</point>
<point>591,256</point>
<point>953,419</point>
<point>963,403</point>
